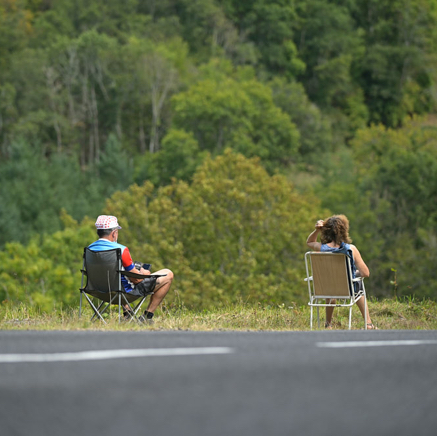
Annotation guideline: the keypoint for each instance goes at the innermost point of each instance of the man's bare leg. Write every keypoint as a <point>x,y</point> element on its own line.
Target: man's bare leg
<point>162,287</point>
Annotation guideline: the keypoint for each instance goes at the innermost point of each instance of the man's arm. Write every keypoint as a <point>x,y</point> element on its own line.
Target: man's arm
<point>129,265</point>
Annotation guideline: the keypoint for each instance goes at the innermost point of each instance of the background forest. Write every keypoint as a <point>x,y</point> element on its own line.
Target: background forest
<point>218,131</point>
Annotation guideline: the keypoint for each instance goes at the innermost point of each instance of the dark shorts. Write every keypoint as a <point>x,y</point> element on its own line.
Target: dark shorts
<point>146,287</point>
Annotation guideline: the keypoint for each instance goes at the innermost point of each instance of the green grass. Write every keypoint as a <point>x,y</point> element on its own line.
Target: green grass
<point>386,314</point>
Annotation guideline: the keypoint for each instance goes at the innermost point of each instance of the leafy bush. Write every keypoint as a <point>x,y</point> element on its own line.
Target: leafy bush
<point>235,233</point>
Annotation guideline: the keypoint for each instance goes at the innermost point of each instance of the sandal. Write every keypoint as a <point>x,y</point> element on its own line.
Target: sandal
<point>328,325</point>
<point>370,326</point>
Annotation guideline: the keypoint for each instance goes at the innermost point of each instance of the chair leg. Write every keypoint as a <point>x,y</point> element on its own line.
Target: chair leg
<point>365,312</point>
<point>311,318</point>
<point>100,311</point>
<point>134,309</point>
<point>318,317</point>
<point>96,311</point>
<point>119,307</point>
<point>350,317</point>
<point>80,305</point>
<point>137,307</point>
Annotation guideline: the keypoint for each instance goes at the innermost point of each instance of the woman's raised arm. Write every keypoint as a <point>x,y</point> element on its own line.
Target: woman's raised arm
<point>312,238</point>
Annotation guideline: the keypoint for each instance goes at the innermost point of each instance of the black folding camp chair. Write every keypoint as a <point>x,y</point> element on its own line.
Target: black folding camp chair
<point>103,271</point>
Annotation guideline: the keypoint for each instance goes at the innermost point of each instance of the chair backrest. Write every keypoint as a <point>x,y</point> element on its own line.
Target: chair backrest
<point>331,274</point>
<point>102,270</point>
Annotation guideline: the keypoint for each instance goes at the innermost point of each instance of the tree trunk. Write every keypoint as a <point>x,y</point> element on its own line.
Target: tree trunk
<point>141,132</point>
<point>95,118</point>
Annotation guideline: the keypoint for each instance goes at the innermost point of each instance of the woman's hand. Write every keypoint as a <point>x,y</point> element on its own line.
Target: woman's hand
<point>319,224</point>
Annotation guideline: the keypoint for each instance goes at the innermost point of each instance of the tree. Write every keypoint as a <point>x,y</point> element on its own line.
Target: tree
<point>115,168</point>
<point>269,25</point>
<point>314,128</point>
<point>155,72</point>
<point>15,27</point>
<point>62,95</point>
<point>178,158</point>
<point>235,233</point>
<point>8,113</point>
<point>113,18</point>
<point>236,112</point>
<point>329,43</point>
<point>394,72</point>
<point>46,281</point>
<point>390,196</point>
<point>35,188</point>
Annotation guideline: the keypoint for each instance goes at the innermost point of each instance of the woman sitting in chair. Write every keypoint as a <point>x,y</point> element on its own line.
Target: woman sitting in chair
<point>334,236</point>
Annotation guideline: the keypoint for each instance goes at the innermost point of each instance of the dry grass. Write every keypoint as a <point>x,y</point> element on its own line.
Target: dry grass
<point>386,314</point>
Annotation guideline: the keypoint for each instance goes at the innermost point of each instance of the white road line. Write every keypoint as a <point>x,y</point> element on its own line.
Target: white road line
<point>353,344</point>
<point>111,354</point>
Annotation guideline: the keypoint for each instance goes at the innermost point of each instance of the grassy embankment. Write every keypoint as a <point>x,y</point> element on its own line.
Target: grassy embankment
<point>386,314</point>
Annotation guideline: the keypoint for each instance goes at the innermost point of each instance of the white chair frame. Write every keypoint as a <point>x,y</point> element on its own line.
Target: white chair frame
<point>329,276</point>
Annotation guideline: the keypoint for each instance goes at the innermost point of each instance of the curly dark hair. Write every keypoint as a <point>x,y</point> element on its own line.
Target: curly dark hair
<point>335,229</point>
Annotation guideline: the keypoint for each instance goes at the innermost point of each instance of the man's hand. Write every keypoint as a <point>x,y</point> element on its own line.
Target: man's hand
<point>142,271</point>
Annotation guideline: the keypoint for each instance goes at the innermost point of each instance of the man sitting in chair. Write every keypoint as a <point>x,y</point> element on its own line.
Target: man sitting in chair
<point>107,230</point>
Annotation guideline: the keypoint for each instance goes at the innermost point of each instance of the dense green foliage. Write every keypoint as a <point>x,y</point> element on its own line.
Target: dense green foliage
<point>99,96</point>
<point>234,234</point>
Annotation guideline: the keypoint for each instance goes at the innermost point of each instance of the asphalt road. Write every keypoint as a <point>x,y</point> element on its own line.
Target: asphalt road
<point>218,383</point>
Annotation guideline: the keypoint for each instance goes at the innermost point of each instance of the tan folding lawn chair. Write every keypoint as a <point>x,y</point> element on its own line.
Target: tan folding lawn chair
<point>329,276</point>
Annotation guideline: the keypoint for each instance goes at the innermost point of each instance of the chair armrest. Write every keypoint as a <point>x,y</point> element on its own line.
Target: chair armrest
<point>139,276</point>
<point>308,279</point>
<point>358,279</point>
